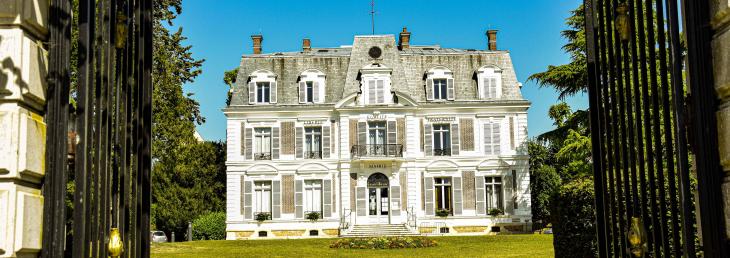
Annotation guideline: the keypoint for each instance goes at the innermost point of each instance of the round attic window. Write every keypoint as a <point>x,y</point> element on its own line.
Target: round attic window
<point>375,52</point>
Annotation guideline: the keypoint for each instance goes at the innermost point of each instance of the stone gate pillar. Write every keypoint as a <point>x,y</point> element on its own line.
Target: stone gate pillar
<point>23,66</point>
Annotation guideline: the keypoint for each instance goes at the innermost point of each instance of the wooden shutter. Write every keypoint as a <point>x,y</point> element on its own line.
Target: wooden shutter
<point>243,139</point>
<point>251,93</point>
<point>353,133</point>
<point>249,143</point>
<point>325,142</point>
<point>404,190</point>
<point>287,195</point>
<point>299,199</point>
<point>302,92</point>
<point>450,93</point>
<point>481,195</point>
<point>509,204</point>
<point>497,138</point>
<point>381,91</point>
<point>455,139</point>
<point>275,199</point>
<point>428,186</point>
<point>371,92</point>
<point>273,92</point>
<point>429,89</point>
<point>492,88</point>
<point>300,142</point>
<point>458,197</point>
<point>275,143</point>
<point>315,91</point>
<point>512,132</point>
<point>326,198</point>
<point>395,197</point>
<point>401,133</point>
<point>467,179</point>
<point>361,201</point>
<point>390,129</point>
<point>287,138</point>
<point>362,134</point>
<point>466,134</point>
<point>247,199</point>
<point>428,139</point>
<point>243,196</point>
<point>353,184</point>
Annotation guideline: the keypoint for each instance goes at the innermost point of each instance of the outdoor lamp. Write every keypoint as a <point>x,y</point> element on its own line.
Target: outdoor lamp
<point>115,246</point>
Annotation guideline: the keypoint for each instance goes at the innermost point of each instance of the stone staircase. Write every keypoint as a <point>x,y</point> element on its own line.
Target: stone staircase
<point>380,230</point>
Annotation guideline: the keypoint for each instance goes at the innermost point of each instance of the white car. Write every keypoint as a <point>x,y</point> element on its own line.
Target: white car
<point>158,237</point>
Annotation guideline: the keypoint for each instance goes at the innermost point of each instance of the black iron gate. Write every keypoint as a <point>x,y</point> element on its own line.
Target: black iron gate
<point>109,132</point>
<point>645,197</point>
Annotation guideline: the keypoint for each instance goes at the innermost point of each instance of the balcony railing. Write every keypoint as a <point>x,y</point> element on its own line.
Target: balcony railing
<point>262,156</point>
<point>377,150</point>
<point>313,155</point>
<point>442,152</point>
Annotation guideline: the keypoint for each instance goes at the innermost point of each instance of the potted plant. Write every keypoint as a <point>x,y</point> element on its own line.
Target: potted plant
<point>442,213</point>
<point>495,212</point>
<point>313,216</point>
<point>262,216</point>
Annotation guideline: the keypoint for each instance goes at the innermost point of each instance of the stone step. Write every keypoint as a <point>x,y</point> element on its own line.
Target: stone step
<point>380,230</point>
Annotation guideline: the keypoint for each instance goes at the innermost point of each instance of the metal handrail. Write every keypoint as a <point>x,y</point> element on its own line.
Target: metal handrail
<point>442,152</point>
<point>313,155</point>
<point>411,218</point>
<point>345,221</point>
<point>377,150</point>
<point>262,156</point>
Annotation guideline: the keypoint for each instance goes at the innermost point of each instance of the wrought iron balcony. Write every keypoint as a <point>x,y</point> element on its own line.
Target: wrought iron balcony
<point>377,150</point>
<point>262,156</point>
<point>313,155</point>
<point>442,152</point>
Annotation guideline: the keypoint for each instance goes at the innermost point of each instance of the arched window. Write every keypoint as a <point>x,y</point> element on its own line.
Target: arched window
<point>489,82</point>
<point>262,87</point>
<point>439,84</point>
<point>311,87</point>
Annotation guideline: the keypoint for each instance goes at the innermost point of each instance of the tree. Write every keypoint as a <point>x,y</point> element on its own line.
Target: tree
<point>544,182</point>
<point>229,78</point>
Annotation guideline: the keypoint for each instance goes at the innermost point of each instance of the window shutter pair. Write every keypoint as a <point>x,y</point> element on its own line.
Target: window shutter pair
<point>428,139</point>
<point>492,138</point>
<point>275,143</point>
<point>481,195</point>
<point>509,201</point>
<point>275,199</point>
<point>325,142</point>
<point>395,200</point>
<point>450,92</point>
<point>326,198</point>
<point>249,143</point>
<point>455,145</point>
<point>490,87</point>
<point>247,199</point>
<point>429,89</point>
<point>428,185</point>
<point>299,199</point>
<point>300,142</point>
<point>458,202</point>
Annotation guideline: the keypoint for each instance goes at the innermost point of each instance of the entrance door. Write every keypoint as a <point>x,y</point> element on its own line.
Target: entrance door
<point>378,199</point>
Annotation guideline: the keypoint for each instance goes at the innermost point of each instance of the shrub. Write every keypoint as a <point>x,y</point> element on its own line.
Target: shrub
<point>383,243</point>
<point>574,226</point>
<point>442,213</point>
<point>210,226</point>
<point>313,216</point>
<point>263,216</point>
<point>544,182</point>
<point>495,212</point>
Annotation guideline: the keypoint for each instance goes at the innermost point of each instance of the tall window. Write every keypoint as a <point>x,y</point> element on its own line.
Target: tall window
<point>262,143</point>
<point>495,194</point>
<point>376,91</point>
<point>376,138</point>
<point>313,196</point>
<point>262,197</point>
<point>490,87</point>
<point>439,88</point>
<point>443,193</point>
<point>441,140</point>
<point>492,144</point>
<point>263,92</point>
<point>313,142</point>
<point>310,92</point>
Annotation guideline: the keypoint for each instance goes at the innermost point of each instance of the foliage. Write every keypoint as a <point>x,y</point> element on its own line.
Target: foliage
<point>442,213</point>
<point>229,78</point>
<point>383,243</point>
<point>262,216</point>
<point>210,226</point>
<point>574,220</point>
<point>495,212</point>
<point>544,182</point>
<point>313,216</point>
<point>576,154</point>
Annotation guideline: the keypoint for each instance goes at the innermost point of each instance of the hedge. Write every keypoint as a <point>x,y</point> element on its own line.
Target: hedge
<point>210,226</point>
<point>574,220</point>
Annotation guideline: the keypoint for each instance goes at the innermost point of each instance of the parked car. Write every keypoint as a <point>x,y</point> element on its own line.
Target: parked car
<point>158,237</point>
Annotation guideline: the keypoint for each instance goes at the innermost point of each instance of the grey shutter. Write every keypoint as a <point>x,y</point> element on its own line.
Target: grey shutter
<point>302,92</point>
<point>450,89</point>
<point>315,92</point>
<point>458,197</point>
<point>362,134</point>
<point>497,138</point>
<point>273,92</point>
<point>249,143</point>
<point>371,91</point>
<point>360,198</point>
<point>395,206</point>
<point>247,200</point>
<point>481,195</point>
<point>390,129</point>
<point>509,202</point>
<point>381,91</point>
<point>325,142</point>
<point>243,139</point>
<point>429,89</point>
<point>243,195</point>
<point>275,143</point>
<point>299,199</point>
<point>488,139</point>
<point>427,139</point>
<point>492,88</point>
<point>327,198</point>
<point>455,146</point>
<point>428,185</point>
<point>276,199</point>
<point>251,93</point>
<point>300,142</point>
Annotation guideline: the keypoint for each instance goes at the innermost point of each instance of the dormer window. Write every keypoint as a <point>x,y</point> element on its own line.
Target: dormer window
<point>375,85</point>
<point>439,84</point>
<point>262,88</point>
<point>311,87</point>
<point>489,82</point>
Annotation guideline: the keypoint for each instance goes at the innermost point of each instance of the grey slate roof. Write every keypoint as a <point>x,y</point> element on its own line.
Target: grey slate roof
<point>341,66</point>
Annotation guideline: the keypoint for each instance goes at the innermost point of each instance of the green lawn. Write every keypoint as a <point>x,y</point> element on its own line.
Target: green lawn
<point>533,246</point>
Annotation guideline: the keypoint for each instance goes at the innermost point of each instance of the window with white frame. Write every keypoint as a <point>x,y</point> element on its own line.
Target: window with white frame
<point>262,143</point>
<point>439,84</point>
<point>313,196</point>
<point>375,84</point>
<point>262,197</point>
<point>495,194</point>
<point>377,138</point>
<point>442,140</point>
<point>313,142</point>
<point>489,82</point>
<point>442,190</point>
<point>263,92</point>
<point>376,91</point>
<point>262,87</point>
<point>311,86</point>
<point>492,136</point>
<point>439,89</point>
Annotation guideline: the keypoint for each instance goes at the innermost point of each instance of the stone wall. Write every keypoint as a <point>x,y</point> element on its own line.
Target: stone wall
<point>720,13</point>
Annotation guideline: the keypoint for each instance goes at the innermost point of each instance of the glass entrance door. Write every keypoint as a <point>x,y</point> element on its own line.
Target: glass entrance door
<point>378,204</point>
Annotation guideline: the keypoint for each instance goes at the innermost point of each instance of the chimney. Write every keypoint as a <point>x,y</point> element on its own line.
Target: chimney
<point>306,45</point>
<point>405,39</point>
<point>492,39</point>
<point>257,39</point>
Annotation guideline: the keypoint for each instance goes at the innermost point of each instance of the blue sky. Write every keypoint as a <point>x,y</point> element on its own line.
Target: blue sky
<point>219,32</point>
